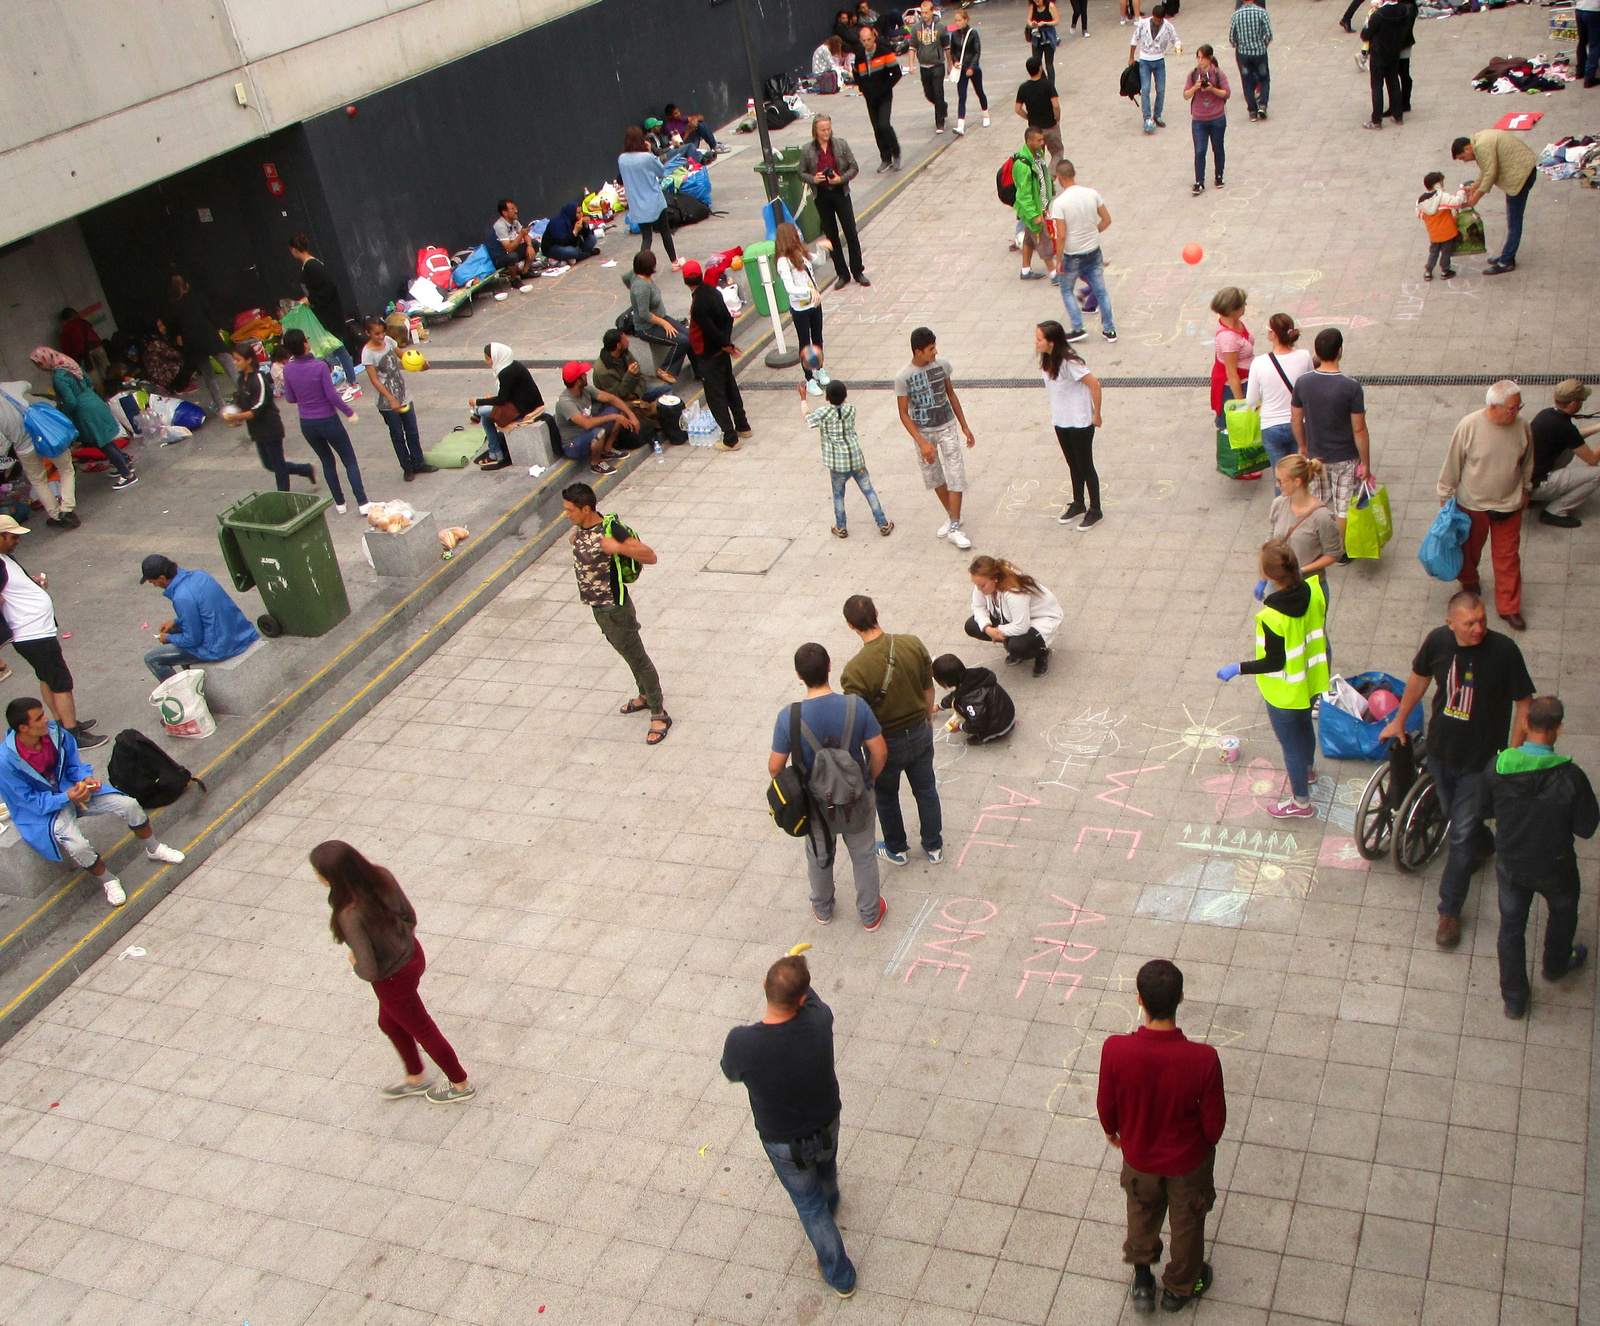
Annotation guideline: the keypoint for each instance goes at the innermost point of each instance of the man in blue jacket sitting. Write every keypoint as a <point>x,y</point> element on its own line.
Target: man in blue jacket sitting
<point>209,626</point>
<point>47,787</point>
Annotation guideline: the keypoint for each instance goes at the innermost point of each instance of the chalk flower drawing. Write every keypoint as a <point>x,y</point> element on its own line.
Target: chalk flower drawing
<point>1242,792</point>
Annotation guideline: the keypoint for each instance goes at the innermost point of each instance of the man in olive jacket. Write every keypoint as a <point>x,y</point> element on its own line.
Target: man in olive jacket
<point>1539,802</point>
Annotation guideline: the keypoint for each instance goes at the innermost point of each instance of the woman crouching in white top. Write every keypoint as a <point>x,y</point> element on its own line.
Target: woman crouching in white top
<point>1013,610</point>
<point>799,279</point>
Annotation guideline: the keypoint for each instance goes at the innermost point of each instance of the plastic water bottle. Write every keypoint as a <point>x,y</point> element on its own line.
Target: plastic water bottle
<point>655,446</point>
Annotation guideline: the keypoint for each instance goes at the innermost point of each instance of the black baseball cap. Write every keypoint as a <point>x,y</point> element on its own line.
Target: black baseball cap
<point>156,565</point>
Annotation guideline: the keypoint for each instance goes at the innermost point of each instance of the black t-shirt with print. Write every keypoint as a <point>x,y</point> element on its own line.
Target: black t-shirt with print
<point>1476,688</point>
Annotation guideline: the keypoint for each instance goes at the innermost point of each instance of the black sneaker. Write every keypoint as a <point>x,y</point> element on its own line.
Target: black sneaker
<point>88,740</point>
<point>1218,182</point>
<point>1091,520</point>
<point>1564,522</point>
<point>124,481</point>
<point>1580,955</point>
<point>1110,335</point>
<point>1517,1009</point>
<point>1170,1302</point>
<point>421,469</point>
<point>1078,335</point>
<point>1144,1291</point>
<point>1071,513</point>
<point>1262,113</point>
<point>1198,189</point>
<point>1041,665</point>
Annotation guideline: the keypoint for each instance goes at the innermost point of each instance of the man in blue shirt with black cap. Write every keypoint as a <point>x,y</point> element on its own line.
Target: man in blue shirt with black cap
<point>209,626</point>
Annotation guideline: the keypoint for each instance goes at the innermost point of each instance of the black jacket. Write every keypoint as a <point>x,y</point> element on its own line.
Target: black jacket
<point>708,314</point>
<point>1537,812</point>
<point>1388,31</point>
<point>986,710</point>
<point>517,386</point>
<point>322,295</point>
<point>190,318</point>
<point>877,74</point>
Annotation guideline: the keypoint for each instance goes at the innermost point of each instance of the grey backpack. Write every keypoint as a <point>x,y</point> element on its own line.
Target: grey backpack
<point>837,783</point>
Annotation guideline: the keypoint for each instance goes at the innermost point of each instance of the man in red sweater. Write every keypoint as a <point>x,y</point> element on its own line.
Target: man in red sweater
<point>1161,1104</point>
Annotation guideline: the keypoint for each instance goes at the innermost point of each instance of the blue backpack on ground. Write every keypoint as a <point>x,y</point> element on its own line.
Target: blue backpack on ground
<point>1440,553</point>
<point>474,266</point>
<point>1345,737</point>
<point>50,431</point>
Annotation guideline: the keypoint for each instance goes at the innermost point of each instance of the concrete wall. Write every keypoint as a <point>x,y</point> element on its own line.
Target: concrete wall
<point>99,100</point>
<point>39,276</point>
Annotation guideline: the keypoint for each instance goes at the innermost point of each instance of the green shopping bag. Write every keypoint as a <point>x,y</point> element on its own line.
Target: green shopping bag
<point>1244,425</point>
<point>321,341</point>
<point>1369,525</point>
<point>1471,239</point>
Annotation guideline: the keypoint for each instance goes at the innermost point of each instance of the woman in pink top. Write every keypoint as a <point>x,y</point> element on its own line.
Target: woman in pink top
<point>1207,91</point>
<point>1235,349</point>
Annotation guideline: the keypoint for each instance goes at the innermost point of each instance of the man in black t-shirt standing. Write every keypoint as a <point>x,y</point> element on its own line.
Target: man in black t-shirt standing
<point>786,1064</point>
<point>1040,106</point>
<point>1558,482</point>
<point>1479,708</point>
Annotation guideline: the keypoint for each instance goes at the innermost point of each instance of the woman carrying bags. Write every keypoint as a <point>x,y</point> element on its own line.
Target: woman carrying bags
<point>1299,519</point>
<point>1234,347</point>
<point>77,399</point>
<point>1290,667</point>
<point>1014,610</point>
<point>375,920</point>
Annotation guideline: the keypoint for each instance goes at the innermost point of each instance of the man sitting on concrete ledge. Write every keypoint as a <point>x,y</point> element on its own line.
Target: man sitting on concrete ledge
<point>47,787</point>
<point>209,626</point>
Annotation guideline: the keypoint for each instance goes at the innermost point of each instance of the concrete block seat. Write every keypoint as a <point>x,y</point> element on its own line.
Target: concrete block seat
<point>533,440</point>
<point>247,683</point>
<point>406,554</point>
<point>26,874</point>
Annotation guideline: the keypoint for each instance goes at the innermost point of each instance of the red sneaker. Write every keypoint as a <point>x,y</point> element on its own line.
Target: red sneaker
<point>883,911</point>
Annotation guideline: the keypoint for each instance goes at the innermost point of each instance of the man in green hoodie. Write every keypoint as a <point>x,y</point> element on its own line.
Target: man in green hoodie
<point>1032,183</point>
<point>1539,801</point>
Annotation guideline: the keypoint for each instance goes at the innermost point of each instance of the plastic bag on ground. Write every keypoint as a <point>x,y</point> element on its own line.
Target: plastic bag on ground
<point>181,702</point>
<point>1345,696</point>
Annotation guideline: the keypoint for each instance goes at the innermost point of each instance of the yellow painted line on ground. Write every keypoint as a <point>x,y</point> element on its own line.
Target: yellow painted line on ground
<point>265,778</point>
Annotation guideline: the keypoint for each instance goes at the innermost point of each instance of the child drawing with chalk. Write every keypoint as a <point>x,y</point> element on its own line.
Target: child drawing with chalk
<point>978,702</point>
<point>841,453</point>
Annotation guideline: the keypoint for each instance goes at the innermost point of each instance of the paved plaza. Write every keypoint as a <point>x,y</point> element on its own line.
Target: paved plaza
<point>193,1131</point>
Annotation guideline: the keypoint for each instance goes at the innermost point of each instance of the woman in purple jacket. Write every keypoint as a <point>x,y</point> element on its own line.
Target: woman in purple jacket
<point>308,385</point>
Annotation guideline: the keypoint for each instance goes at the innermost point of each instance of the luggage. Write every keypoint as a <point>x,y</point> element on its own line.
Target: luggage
<point>181,702</point>
<point>434,265</point>
<point>684,209</point>
<point>145,772</point>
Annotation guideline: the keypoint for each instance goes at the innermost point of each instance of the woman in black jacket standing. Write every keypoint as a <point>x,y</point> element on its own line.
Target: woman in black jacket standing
<point>322,297</point>
<point>517,396</point>
<point>828,165</point>
<point>258,411</point>
<point>189,319</point>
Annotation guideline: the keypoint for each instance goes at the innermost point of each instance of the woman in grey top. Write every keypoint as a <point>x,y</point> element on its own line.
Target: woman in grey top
<point>1301,521</point>
<point>648,320</point>
<point>375,919</point>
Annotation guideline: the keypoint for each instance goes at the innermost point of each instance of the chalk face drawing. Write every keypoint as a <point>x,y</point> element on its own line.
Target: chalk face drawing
<point>1198,738</point>
<point>1080,741</point>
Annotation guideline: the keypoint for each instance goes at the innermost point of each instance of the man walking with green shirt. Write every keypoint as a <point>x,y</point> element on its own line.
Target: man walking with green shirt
<point>1505,160</point>
<point>894,675</point>
<point>1250,33</point>
<point>1032,184</point>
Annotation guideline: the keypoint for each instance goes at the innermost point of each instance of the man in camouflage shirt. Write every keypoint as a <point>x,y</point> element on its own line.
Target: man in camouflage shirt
<point>597,559</point>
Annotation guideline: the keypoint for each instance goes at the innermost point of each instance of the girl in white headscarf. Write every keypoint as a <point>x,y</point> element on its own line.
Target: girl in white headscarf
<point>517,397</point>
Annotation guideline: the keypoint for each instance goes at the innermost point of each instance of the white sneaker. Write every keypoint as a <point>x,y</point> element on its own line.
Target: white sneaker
<point>822,377</point>
<point>961,127</point>
<point>813,387</point>
<point>985,121</point>
<point>958,538</point>
<point>161,852</point>
<point>113,887</point>
<point>339,507</point>
<point>943,532</point>
<point>364,508</point>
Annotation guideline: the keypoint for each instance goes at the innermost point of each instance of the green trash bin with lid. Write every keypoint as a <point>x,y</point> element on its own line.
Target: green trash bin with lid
<point>279,543</point>
<point>752,273</point>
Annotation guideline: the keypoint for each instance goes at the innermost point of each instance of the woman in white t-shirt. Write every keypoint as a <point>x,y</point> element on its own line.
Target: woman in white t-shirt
<point>799,279</point>
<point>1074,395</point>
<point>1271,385</point>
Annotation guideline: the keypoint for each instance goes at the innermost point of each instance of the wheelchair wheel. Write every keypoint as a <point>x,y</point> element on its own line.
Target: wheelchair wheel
<point>1374,819</point>
<point>1420,827</point>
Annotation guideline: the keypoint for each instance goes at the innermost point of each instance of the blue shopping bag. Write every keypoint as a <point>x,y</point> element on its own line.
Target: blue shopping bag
<point>1440,553</point>
<point>1345,737</point>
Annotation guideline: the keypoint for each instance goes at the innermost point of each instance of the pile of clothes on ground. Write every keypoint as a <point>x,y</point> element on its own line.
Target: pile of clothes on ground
<point>1514,73</point>
<point>1445,10</point>
<point>1573,158</point>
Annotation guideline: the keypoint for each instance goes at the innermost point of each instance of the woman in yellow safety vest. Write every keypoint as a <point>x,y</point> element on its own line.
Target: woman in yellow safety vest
<point>1290,666</point>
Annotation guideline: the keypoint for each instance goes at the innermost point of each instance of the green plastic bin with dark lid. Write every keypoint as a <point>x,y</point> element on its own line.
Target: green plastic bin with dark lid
<point>279,543</point>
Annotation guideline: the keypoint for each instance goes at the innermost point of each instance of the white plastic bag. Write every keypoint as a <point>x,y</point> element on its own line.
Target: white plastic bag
<point>1342,695</point>
<point>181,702</point>
<point>428,295</point>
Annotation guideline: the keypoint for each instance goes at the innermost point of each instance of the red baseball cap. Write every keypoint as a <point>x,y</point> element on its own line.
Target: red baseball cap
<point>692,269</point>
<point>573,371</point>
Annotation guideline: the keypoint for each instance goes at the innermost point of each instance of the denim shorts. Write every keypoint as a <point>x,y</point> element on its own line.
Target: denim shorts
<point>577,448</point>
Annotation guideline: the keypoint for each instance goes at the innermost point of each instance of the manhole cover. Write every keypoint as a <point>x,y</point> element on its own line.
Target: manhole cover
<point>748,555</point>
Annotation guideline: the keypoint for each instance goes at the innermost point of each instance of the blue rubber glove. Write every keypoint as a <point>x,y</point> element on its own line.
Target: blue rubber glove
<point>1228,673</point>
<point>1261,590</point>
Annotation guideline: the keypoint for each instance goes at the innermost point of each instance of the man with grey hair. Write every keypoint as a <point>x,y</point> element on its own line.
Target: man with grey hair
<point>1489,471</point>
<point>1558,443</point>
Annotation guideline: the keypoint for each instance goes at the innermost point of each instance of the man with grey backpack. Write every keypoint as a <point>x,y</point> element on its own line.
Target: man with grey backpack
<point>837,749</point>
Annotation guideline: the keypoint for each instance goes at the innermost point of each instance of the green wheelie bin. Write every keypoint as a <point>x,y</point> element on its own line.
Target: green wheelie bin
<point>279,543</point>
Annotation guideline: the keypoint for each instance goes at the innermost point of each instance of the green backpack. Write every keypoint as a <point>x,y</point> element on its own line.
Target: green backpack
<point>624,570</point>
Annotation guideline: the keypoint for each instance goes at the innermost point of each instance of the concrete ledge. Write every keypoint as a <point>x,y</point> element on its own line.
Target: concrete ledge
<point>407,554</point>
<point>26,874</point>
<point>534,443</point>
<point>247,683</point>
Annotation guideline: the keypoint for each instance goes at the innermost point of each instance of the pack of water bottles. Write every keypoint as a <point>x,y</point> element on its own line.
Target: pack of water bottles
<point>702,428</point>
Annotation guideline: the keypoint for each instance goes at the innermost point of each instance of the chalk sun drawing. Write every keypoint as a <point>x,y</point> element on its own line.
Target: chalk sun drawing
<point>1197,738</point>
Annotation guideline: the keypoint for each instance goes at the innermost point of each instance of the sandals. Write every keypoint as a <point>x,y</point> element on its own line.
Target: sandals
<point>657,735</point>
<point>886,530</point>
<point>634,706</point>
<point>839,532</point>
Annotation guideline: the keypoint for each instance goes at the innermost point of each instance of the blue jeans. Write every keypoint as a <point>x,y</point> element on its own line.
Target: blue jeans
<point>494,439</point>
<point>1152,71</point>
<point>1086,265</point>
<point>1516,205</point>
<point>403,437</point>
<point>910,753</point>
<point>1298,737</point>
<point>1279,442</point>
<point>164,660</point>
<point>1209,131</point>
<point>1457,790</point>
<point>1257,80</point>
<point>1587,61</point>
<point>813,1187</point>
<point>864,483</point>
<point>329,440</point>
<point>572,252</point>
<point>973,76</point>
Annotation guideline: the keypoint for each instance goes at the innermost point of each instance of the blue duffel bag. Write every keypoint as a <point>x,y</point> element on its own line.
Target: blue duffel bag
<point>1345,737</point>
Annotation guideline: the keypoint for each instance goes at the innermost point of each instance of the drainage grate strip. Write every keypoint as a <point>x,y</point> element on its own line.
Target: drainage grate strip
<point>1374,380</point>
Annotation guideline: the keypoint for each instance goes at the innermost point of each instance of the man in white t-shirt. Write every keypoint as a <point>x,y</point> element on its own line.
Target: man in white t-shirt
<point>30,626</point>
<point>1153,37</point>
<point>1077,216</point>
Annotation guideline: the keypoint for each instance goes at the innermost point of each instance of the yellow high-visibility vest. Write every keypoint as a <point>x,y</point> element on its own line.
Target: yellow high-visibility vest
<point>1304,674</point>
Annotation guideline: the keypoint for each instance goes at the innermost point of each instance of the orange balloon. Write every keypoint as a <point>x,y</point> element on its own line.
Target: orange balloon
<point>1192,253</point>
<point>737,264</point>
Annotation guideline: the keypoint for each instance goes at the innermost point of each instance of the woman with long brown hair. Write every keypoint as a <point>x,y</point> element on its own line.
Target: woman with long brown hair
<point>642,172</point>
<point>797,271</point>
<point>1074,396</point>
<point>1014,610</point>
<point>375,919</point>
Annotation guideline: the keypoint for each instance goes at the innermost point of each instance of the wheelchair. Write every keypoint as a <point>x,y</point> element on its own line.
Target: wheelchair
<point>1399,810</point>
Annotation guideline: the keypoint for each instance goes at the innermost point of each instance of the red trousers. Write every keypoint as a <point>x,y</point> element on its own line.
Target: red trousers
<point>1503,532</point>
<point>405,1021</point>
